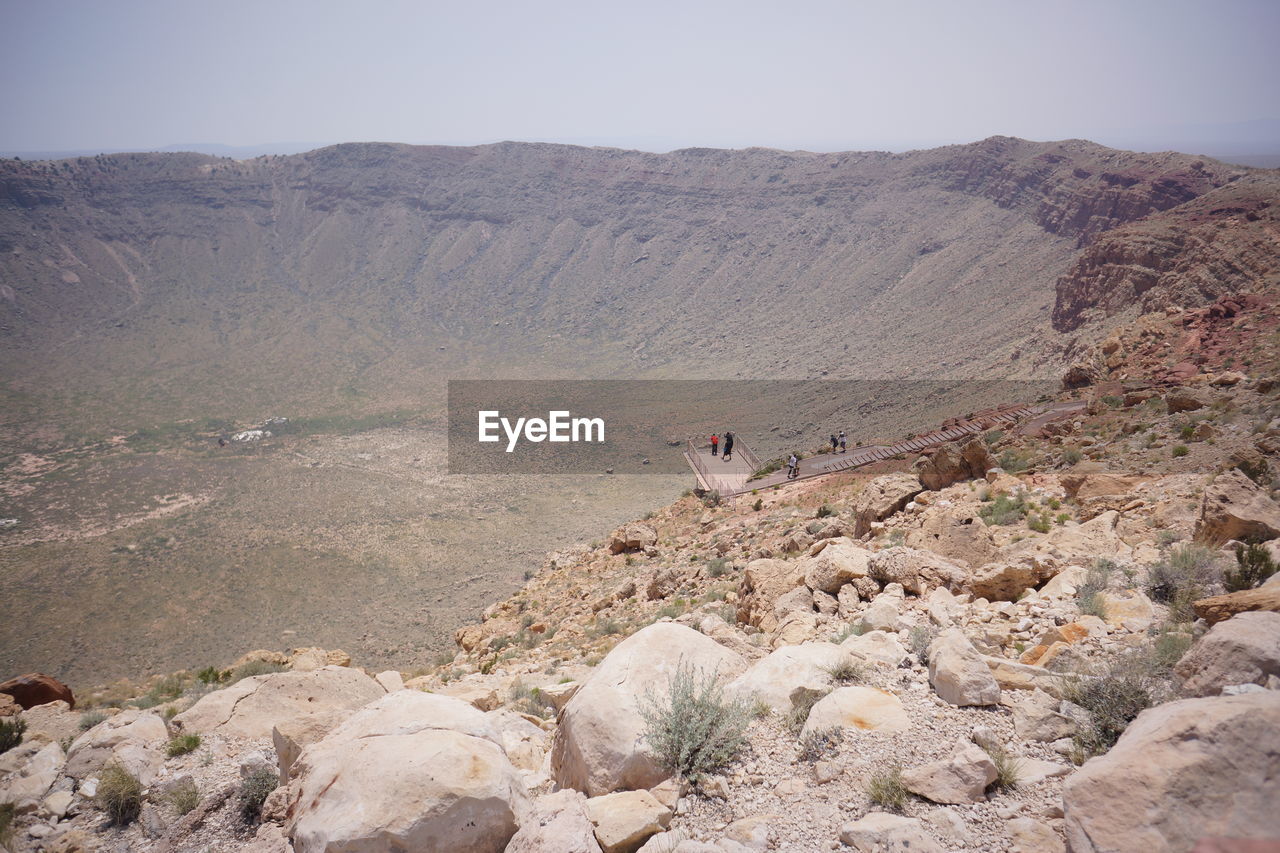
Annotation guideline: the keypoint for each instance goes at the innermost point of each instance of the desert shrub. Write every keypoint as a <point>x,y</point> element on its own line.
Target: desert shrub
<point>717,567</point>
<point>886,789</point>
<point>799,713</point>
<point>825,511</point>
<point>1004,510</point>
<point>181,745</point>
<point>819,744</point>
<point>758,505</point>
<point>1169,648</point>
<point>248,669</point>
<point>119,794</point>
<point>694,729</point>
<point>1187,431</point>
<point>1253,566</point>
<point>897,538</point>
<point>165,690</point>
<point>1008,768</point>
<point>11,732</point>
<point>1184,574</point>
<point>993,437</point>
<point>1089,596</point>
<point>1071,456</point>
<point>89,719</point>
<point>184,796</point>
<point>213,675</point>
<point>711,498</point>
<point>846,671</point>
<point>8,811</point>
<point>254,790</point>
<point>1180,450</point>
<point>1013,461</point>
<point>853,629</point>
<point>1256,470</point>
<point>920,638</point>
<point>1114,693</point>
<point>1039,522</point>
<point>530,700</point>
<point>606,627</point>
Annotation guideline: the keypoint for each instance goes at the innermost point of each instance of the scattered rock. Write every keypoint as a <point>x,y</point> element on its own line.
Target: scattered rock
<point>133,738</point>
<point>836,564</point>
<point>881,832</point>
<point>1031,836</point>
<point>962,778</point>
<point>632,537</point>
<point>28,772</point>
<point>623,821</point>
<point>1265,598</point>
<point>864,708</point>
<point>881,498</point>
<point>557,823</point>
<point>787,672</point>
<point>918,571</point>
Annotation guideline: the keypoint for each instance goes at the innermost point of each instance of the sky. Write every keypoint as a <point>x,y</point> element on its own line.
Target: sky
<point>820,75</point>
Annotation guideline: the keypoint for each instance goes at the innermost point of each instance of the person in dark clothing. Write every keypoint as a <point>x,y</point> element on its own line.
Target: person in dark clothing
<point>728,446</point>
<point>834,443</point>
<point>715,444</point>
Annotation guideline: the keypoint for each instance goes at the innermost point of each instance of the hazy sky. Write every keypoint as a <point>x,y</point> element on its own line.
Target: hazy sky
<point>816,74</point>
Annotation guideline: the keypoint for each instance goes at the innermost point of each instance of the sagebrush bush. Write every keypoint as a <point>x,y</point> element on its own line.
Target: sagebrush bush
<point>11,732</point>
<point>799,713</point>
<point>846,671</point>
<point>1089,596</point>
<point>825,511</point>
<point>182,744</point>
<point>921,637</point>
<point>886,789</point>
<point>119,794</point>
<point>1114,693</point>
<point>530,700</point>
<point>89,719</point>
<point>820,743</point>
<point>8,811</point>
<point>717,567</point>
<point>184,796</point>
<point>1185,573</point>
<point>1004,510</point>
<point>254,790</point>
<point>1253,566</point>
<point>248,669</point>
<point>693,728</point>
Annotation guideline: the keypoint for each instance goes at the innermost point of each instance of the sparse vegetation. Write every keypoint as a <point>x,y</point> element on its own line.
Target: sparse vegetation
<point>184,796</point>
<point>1180,450</point>
<point>89,719</point>
<point>825,511</point>
<point>1089,597</point>
<point>1185,574</point>
<point>1014,461</point>
<point>1008,768</point>
<point>693,728</point>
<point>921,637</point>
<point>7,813</point>
<point>254,791</point>
<point>847,671</point>
<point>799,713</point>
<point>1253,566</point>
<point>819,744</point>
<point>252,668</point>
<point>886,789</point>
<point>1004,510</point>
<point>717,567</point>
<point>530,700</point>
<point>1114,693</point>
<point>11,732</point>
<point>182,744</point>
<point>119,794</point>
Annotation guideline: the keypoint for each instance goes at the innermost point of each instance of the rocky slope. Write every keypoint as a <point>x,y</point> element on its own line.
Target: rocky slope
<point>1045,656</point>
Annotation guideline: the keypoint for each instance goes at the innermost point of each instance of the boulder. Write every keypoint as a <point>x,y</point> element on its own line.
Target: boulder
<point>54,720</point>
<point>958,673</point>
<point>623,821</point>
<point>875,646</point>
<point>763,583</point>
<point>1028,835</point>
<point>788,671</point>
<point>961,778</point>
<point>1245,649</point>
<point>955,532</point>
<point>411,711</point>
<point>396,787</point>
<point>310,659</point>
<point>250,708</point>
<point>1235,507</point>
<point>1265,598</point>
<point>1011,675</point>
<point>1075,543</point>
<point>881,832</point>
<point>36,688</point>
<point>482,697</point>
<point>390,680</point>
<point>1181,771</point>
<point>133,738</point>
<point>1188,399</point>
<point>1007,581</point>
<point>918,571</point>
<point>1131,610</point>
<point>836,564</point>
<point>599,745</point>
<point>632,537</point>
<point>882,614</point>
<point>864,708</point>
<point>953,462</point>
<point>291,736</point>
<point>1089,480</point>
<point>1036,718</point>
<point>557,823</point>
<point>881,498</point>
<point>27,772</point>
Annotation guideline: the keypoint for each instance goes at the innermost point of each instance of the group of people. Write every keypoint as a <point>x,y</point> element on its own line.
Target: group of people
<point>840,442</point>
<point>728,446</point>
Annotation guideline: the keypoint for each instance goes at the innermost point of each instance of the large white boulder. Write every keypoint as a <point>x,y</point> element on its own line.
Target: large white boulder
<point>838,562</point>
<point>599,745</point>
<point>131,738</point>
<point>863,708</point>
<point>787,672</point>
<point>625,820</point>
<point>1182,771</point>
<point>557,823</point>
<point>1245,649</point>
<point>958,673</point>
<point>250,708</point>
<point>881,498</point>
<point>1235,507</point>
<point>918,571</point>
<point>27,772</point>
<point>881,832</point>
<point>961,778</point>
<point>763,583</point>
<point>875,647</point>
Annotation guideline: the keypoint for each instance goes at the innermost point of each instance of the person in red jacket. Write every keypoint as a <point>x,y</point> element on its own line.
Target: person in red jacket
<point>715,444</point>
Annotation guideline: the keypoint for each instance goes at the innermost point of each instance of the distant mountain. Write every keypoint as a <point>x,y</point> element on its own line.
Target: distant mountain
<point>170,285</point>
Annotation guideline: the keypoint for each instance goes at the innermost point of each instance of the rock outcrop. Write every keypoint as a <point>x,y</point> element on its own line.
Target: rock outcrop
<point>881,498</point>
<point>1244,649</point>
<point>1234,507</point>
<point>36,688</point>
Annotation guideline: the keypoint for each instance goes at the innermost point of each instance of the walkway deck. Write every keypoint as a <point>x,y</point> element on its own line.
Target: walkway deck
<point>732,478</point>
